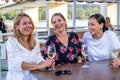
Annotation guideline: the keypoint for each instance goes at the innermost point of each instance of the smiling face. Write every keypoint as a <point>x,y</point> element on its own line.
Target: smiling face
<point>94,27</point>
<point>25,26</point>
<point>59,23</point>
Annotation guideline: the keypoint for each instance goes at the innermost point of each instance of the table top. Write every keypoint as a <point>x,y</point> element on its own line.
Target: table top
<point>98,70</point>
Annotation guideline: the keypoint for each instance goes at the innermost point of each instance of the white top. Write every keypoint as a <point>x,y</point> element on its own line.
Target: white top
<point>99,49</point>
<point>16,55</point>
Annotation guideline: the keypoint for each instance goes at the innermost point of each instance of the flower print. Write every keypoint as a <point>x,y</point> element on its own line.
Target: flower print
<point>79,41</point>
<point>74,40</point>
<point>57,40</point>
<point>45,50</point>
<point>52,44</point>
<point>70,56</point>
<point>47,40</point>
<point>62,49</point>
<point>70,49</point>
<point>56,56</point>
<point>78,50</point>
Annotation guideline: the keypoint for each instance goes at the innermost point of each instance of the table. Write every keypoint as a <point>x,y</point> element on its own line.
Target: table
<point>98,70</point>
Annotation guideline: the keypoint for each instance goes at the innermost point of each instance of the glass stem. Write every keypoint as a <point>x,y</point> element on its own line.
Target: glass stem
<point>85,60</point>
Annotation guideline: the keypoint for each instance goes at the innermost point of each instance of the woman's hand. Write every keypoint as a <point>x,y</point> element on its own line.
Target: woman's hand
<point>116,63</point>
<point>79,60</point>
<point>45,64</point>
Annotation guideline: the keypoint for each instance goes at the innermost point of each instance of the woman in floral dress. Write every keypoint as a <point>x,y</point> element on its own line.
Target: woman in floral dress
<point>67,44</point>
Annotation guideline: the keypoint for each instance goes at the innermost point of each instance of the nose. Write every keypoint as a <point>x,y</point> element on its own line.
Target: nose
<point>29,25</point>
<point>56,22</point>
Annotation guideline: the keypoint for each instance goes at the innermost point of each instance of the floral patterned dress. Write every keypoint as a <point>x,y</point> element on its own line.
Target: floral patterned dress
<point>65,54</point>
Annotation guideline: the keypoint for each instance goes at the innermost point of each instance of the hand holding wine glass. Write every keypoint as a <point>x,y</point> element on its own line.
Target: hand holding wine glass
<point>51,54</point>
<point>113,55</point>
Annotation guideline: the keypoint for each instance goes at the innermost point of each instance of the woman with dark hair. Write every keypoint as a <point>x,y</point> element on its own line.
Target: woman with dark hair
<point>99,40</point>
<point>68,48</point>
<point>2,26</point>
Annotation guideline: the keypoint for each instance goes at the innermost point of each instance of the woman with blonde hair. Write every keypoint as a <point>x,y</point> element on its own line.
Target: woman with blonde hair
<point>23,50</point>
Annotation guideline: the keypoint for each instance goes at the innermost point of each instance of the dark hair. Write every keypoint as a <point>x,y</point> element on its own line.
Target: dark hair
<point>100,19</point>
<point>58,14</point>
<point>1,19</point>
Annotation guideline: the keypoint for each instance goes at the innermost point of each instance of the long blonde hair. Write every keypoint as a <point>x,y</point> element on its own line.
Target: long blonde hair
<point>17,33</point>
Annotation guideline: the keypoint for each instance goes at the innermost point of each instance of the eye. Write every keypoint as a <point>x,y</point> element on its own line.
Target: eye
<point>24,23</point>
<point>59,20</point>
<point>30,22</point>
<point>92,24</point>
<point>54,22</point>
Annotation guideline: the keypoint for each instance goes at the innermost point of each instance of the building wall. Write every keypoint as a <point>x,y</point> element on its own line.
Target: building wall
<point>55,8</point>
<point>112,13</point>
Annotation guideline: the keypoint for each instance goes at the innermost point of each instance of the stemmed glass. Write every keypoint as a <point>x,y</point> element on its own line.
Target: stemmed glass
<point>113,55</point>
<point>85,54</point>
<point>51,54</point>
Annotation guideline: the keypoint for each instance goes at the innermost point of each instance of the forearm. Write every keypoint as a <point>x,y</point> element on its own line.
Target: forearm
<point>42,64</point>
<point>28,66</point>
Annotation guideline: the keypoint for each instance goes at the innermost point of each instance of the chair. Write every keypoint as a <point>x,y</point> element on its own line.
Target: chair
<point>80,34</point>
<point>42,45</point>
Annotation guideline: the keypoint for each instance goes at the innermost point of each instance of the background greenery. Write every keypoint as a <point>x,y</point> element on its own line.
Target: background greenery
<point>82,12</point>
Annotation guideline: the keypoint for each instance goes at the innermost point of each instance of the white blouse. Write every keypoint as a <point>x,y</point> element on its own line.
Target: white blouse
<point>16,55</point>
<point>99,49</point>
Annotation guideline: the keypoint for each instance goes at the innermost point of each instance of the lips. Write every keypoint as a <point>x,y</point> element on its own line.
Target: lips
<point>58,26</point>
<point>28,30</point>
<point>91,31</point>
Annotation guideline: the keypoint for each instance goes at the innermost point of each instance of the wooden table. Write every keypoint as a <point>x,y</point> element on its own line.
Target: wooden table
<point>98,70</point>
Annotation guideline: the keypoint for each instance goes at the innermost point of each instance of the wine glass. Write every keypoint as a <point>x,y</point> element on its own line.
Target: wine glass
<point>85,54</point>
<point>113,55</point>
<point>51,54</point>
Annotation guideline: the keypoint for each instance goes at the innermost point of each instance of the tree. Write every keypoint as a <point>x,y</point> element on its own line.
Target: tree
<point>83,11</point>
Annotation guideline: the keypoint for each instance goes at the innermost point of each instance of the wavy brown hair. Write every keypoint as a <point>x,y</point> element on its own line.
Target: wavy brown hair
<point>61,15</point>
<point>17,33</point>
